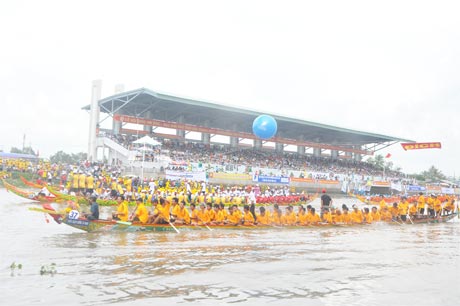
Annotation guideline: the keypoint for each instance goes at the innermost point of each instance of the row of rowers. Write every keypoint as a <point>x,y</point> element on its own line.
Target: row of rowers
<point>164,211</point>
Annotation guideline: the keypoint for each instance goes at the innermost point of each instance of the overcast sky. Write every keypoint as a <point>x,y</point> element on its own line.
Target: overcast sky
<point>386,67</point>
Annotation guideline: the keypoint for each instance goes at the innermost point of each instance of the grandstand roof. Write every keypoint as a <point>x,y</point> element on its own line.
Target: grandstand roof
<point>146,103</point>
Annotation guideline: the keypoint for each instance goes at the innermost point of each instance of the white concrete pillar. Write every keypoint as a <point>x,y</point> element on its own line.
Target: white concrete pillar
<point>94,119</point>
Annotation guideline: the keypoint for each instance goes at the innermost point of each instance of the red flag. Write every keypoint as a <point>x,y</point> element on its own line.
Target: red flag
<point>388,155</point>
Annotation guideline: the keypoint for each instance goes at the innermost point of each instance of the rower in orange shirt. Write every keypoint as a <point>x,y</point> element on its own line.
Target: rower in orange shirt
<point>375,214</point>
<point>302,217</point>
<point>263,218</point>
<point>314,218</point>
<point>367,216</point>
<point>346,216</point>
<point>203,217</point>
<point>386,214</point>
<point>210,212</point>
<point>356,215</point>
<point>394,211</point>
<point>182,214</point>
<point>327,216</point>
<point>248,218</point>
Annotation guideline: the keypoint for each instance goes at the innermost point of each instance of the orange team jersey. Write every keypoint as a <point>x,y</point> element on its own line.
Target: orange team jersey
<point>302,219</point>
<point>413,209</point>
<point>346,218</point>
<point>263,220</point>
<point>314,218</point>
<point>276,218</point>
<point>437,204</point>
<point>234,218</point>
<point>248,219</point>
<point>90,182</point>
<point>82,181</point>
<point>183,214</point>
<point>337,218</point>
<point>211,214</point>
<point>327,217</point>
<point>368,218</point>
<point>394,211</point>
<point>194,215</point>
<point>357,216</point>
<point>175,210</point>
<point>203,217</point>
<point>75,180</point>
<point>403,208</point>
<point>122,211</point>
<point>421,202</point>
<point>385,215</point>
<point>376,216</point>
<point>142,213</point>
<point>220,217</point>
<point>382,204</point>
<point>430,202</point>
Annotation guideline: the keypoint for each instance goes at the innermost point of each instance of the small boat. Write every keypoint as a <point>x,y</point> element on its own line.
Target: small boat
<point>120,226</point>
<point>30,183</point>
<point>29,195</point>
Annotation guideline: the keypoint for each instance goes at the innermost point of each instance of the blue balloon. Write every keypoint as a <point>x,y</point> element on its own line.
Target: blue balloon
<point>264,126</point>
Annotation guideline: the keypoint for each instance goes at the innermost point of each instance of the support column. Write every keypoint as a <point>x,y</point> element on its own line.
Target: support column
<point>301,149</point>
<point>234,142</point>
<point>279,147</point>
<point>148,128</point>
<point>180,133</point>
<point>257,144</point>
<point>334,154</point>
<point>357,156</point>
<point>94,119</point>
<point>206,138</point>
<point>317,152</point>
<point>116,126</point>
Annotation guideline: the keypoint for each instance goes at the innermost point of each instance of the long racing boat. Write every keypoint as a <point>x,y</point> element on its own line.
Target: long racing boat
<point>119,226</point>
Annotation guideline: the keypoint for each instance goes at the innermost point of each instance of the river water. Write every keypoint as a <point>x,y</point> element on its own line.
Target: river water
<point>374,265</point>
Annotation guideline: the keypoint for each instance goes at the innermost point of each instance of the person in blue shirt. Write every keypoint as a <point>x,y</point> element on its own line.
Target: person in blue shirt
<point>94,215</point>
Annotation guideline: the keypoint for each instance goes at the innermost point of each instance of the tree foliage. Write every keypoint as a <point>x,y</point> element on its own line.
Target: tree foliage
<point>62,157</point>
<point>27,150</point>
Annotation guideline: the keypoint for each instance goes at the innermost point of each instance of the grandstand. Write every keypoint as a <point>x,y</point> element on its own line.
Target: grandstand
<point>148,111</point>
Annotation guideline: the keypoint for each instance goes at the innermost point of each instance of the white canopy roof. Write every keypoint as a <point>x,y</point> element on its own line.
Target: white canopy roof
<point>147,140</point>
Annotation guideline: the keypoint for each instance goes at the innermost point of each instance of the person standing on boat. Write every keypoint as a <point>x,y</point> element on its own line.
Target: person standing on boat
<point>326,202</point>
<point>421,204</point>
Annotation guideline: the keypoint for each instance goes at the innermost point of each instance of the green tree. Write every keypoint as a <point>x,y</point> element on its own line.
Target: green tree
<point>62,157</point>
<point>27,150</point>
<point>433,174</point>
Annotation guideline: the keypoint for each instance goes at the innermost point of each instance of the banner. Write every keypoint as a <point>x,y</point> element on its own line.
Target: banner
<point>302,180</point>
<point>230,176</point>
<point>420,145</point>
<point>380,184</point>
<point>415,188</point>
<point>446,190</point>
<point>271,179</point>
<point>178,175</point>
